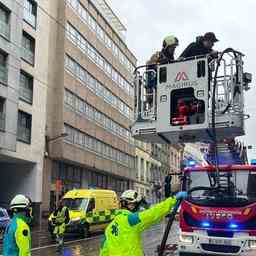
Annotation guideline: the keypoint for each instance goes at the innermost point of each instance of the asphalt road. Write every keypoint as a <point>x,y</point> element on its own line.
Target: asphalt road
<point>43,246</point>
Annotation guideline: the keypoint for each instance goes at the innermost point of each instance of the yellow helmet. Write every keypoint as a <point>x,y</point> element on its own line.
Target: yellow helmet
<point>170,40</point>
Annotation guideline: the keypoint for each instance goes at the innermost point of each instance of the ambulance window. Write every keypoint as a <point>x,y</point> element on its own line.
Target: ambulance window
<point>91,205</point>
<point>162,75</point>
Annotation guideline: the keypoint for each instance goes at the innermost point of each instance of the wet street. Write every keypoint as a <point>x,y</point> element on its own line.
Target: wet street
<point>90,246</point>
<point>42,244</point>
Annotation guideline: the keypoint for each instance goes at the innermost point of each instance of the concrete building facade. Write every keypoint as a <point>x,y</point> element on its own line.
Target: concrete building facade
<point>24,47</point>
<point>90,101</point>
<point>147,171</point>
<point>176,159</point>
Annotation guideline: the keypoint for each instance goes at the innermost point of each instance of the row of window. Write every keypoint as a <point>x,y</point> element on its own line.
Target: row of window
<point>93,114</point>
<point>30,12</point>
<point>96,87</point>
<point>87,18</point>
<point>73,176</point>
<point>78,40</point>
<point>23,126</point>
<point>83,140</point>
<point>28,48</point>
<point>29,15</point>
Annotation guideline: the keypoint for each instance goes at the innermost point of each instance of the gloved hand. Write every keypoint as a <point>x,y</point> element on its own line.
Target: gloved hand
<point>181,195</point>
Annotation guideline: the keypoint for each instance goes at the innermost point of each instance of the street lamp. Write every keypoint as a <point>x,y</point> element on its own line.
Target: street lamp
<point>48,140</point>
<point>62,135</point>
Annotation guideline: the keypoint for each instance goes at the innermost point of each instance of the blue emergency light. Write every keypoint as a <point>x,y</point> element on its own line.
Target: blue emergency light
<point>233,225</point>
<point>191,162</point>
<point>206,224</point>
<point>253,162</point>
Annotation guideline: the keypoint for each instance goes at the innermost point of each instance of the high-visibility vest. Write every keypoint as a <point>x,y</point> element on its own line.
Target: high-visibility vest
<point>61,217</point>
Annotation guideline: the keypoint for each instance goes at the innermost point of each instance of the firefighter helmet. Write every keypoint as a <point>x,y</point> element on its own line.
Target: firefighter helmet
<point>131,196</point>
<point>20,202</point>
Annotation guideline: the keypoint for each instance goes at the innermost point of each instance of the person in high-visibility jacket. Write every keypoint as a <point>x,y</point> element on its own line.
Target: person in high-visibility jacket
<point>60,220</point>
<point>123,235</point>
<point>17,238</point>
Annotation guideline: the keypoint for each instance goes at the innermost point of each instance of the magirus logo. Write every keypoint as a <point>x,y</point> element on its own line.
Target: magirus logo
<point>181,76</point>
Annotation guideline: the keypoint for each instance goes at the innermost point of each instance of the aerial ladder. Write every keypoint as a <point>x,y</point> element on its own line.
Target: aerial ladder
<point>200,99</point>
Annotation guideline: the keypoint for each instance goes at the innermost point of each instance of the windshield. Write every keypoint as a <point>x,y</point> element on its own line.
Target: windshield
<point>235,189</point>
<point>76,204</point>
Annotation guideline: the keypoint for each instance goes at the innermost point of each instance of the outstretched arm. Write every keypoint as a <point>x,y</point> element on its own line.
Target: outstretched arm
<point>145,219</point>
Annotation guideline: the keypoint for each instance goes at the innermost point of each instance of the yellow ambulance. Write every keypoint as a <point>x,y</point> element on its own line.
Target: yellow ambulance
<point>90,210</point>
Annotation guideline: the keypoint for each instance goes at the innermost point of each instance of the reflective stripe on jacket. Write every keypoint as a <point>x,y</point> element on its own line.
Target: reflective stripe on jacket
<point>123,235</point>
<point>61,216</point>
<point>17,238</point>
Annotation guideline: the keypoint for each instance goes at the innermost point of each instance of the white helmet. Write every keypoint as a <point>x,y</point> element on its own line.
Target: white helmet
<point>131,196</point>
<point>20,202</point>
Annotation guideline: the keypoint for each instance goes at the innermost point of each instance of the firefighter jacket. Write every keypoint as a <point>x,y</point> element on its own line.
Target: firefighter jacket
<point>123,235</point>
<point>17,238</point>
<point>195,49</point>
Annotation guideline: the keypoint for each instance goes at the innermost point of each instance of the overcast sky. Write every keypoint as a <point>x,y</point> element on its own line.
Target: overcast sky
<point>234,23</point>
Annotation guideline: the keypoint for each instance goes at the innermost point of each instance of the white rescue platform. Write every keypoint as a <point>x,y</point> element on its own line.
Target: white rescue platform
<point>174,103</point>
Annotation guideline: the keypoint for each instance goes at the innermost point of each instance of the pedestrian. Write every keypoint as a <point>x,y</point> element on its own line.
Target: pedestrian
<point>202,46</point>
<point>17,237</point>
<point>123,234</point>
<point>60,220</point>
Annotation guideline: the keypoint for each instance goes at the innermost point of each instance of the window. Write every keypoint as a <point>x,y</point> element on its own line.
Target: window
<point>24,127</point>
<point>4,23</point>
<point>3,68</point>
<point>30,12</point>
<point>78,40</point>
<point>69,99</point>
<point>26,87</point>
<point>28,48</point>
<point>2,114</point>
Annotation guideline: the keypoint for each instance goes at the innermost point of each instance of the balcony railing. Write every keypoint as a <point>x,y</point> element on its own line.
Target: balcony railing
<point>3,74</point>
<point>28,17</point>
<point>26,94</point>
<point>2,121</point>
<point>5,29</point>
<point>27,55</point>
<point>24,134</point>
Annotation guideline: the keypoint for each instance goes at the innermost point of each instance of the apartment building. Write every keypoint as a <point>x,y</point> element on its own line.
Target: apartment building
<point>147,171</point>
<point>23,90</point>
<point>176,159</point>
<point>90,101</point>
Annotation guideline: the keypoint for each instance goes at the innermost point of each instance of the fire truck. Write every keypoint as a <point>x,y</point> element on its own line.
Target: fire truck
<point>201,99</point>
<point>218,216</point>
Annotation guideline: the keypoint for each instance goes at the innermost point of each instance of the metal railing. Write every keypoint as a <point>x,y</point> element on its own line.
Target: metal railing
<point>27,55</point>
<point>24,134</point>
<point>5,29</point>
<point>26,94</point>
<point>3,74</point>
<point>2,121</point>
<point>28,17</point>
